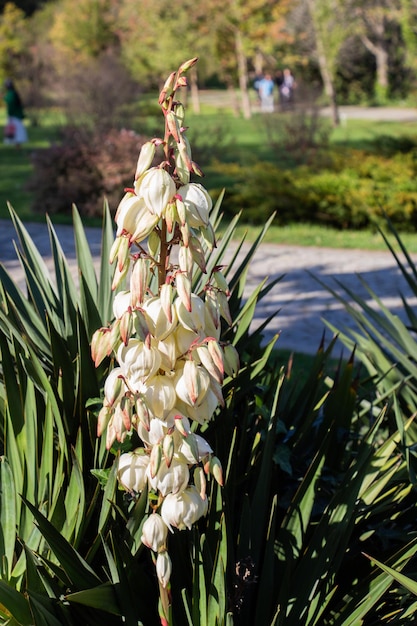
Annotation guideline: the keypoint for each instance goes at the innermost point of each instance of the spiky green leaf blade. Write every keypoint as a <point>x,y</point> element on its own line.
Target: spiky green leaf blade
<point>8,518</point>
<point>77,569</point>
<point>101,597</point>
<point>105,293</point>
<point>16,604</point>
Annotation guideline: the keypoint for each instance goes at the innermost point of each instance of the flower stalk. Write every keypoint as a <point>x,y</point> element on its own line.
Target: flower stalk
<point>165,339</point>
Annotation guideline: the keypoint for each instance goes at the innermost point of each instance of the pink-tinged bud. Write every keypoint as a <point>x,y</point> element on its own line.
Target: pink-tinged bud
<point>208,236</point>
<point>185,260</point>
<point>181,82</point>
<point>216,470</point>
<point>145,159</point>
<point>224,307</point>
<point>182,214</point>
<point>182,424</point>
<point>156,188</point>
<point>118,277</point>
<point>100,345</point>
<point>103,419</point>
<point>193,384</point>
<point>155,460</point>
<point>166,297</point>
<point>198,253</point>
<point>197,169</point>
<point>125,328</point>
<point>181,168</point>
<point>183,284</point>
<point>198,204</point>
<point>200,482</point>
<point>126,412</point>
<point>142,412</point>
<point>231,360</point>
<point>168,88</point>
<point>221,282</point>
<point>140,325</point>
<point>185,233</point>
<point>114,250</point>
<point>168,449</point>
<point>123,253</point>
<point>212,307</point>
<point>184,67</point>
<point>154,244</point>
<point>163,568</point>
<point>208,363</point>
<point>154,533</point>
<point>139,282</point>
<point>131,470</point>
<point>173,125</point>
<point>171,216</point>
<point>216,354</point>
<point>114,386</point>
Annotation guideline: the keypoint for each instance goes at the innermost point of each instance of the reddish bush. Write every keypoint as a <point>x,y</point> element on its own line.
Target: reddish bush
<point>83,170</point>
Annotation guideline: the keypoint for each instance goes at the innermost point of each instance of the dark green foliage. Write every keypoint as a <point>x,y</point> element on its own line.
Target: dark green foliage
<point>353,190</point>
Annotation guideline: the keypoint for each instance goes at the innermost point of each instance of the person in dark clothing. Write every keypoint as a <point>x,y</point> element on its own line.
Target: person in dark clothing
<point>15,130</point>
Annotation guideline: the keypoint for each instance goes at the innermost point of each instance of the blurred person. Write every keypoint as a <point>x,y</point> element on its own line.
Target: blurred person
<point>286,89</point>
<point>266,93</point>
<point>15,131</point>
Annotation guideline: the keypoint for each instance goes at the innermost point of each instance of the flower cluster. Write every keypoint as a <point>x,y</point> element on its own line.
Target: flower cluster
<point>165,338</point>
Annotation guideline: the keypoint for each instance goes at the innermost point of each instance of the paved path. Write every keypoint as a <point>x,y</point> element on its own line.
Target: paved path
<point>302,301</point>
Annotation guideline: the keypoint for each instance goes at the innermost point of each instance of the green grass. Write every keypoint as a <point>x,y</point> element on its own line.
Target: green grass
<point>240,140</point>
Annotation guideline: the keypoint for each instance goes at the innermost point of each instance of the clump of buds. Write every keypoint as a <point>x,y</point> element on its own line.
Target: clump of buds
<point>171,361</point>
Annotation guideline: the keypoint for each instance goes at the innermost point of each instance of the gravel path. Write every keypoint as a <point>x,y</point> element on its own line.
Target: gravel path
<point>302,302</point>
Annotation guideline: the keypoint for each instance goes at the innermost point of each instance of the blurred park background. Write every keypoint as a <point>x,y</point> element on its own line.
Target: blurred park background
<point>89,72</point>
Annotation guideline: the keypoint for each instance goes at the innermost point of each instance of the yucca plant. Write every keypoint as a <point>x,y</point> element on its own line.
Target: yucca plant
<point>310,478</point>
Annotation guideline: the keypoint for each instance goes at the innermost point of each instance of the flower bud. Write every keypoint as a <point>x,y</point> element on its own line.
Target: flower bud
<point>187,65</point>
<point>191,319</point>
<point>166,296</point>
<point>231,360</point>
<point>216,470</point>
<point>168,88</point>
<point>103,419</point>
<point>154,532</point>
<point>163,568</point>
<point>114,387</point>
<point>197,253</point>
<point>221,282</point>
<point>131,470</point>
<point>145,159</point>
<point>168,449</point>
<point>183,284</point>
<point>139,282</point>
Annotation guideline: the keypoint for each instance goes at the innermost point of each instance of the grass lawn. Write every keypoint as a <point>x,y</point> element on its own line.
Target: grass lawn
<point>240,140</point>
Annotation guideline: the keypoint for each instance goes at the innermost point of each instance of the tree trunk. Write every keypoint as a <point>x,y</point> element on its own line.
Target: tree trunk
<point>324,65</point>
<point>381,58</point>
<point>242,68</point>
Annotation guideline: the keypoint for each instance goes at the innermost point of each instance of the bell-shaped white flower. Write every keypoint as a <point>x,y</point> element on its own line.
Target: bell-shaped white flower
<point>157,188</point>
<point>154,532</point>
<point>197,204</point>
<point>131,470</point>
<point>203,449</point>
<point>182,510</point>
<point>138,361</point>
<point>121,303</point>
<point>193,384</point>
<point>191,319</point>
<point>159,394</point>
<point>134,218</point>
<point>159,325</point>
<point>172,479</point>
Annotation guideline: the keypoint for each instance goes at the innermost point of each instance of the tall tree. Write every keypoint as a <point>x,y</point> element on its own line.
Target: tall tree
<point>375,19</point>
<point>12,40</point>
<point>330,29</point>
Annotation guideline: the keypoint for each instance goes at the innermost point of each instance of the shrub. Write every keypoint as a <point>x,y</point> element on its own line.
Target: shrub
<point>82,169</point>
<point>352,191</point>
